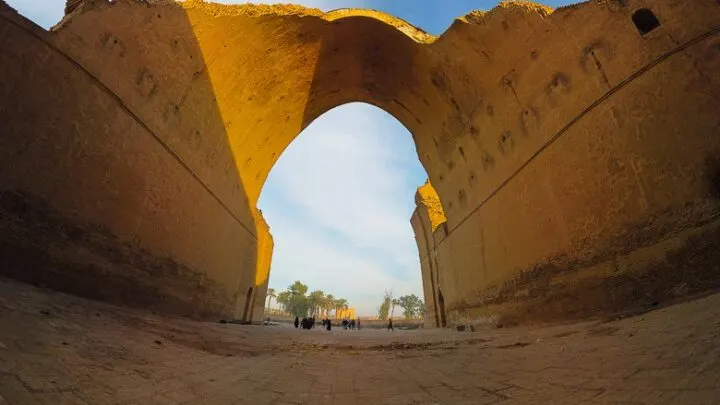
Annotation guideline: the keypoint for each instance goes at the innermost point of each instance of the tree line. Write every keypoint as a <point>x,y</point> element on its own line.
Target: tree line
<point>296,301</point>
<point>413,307</point>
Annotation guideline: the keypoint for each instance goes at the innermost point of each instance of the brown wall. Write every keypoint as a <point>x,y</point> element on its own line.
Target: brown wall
<point>425,221</point>
<point>576,160</point>
<point>425,249</point>
<point>602,195</point>
<point>95,202</point>
<point>262,272</point>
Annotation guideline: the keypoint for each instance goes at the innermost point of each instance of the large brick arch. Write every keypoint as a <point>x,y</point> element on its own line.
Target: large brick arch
<point>574,154</point>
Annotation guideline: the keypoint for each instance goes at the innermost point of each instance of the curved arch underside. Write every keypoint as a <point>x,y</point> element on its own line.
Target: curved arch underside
<point>539,130</point>
<point>274,69</point>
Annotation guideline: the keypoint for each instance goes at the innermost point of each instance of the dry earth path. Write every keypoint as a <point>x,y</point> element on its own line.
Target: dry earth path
<point>59,349</point>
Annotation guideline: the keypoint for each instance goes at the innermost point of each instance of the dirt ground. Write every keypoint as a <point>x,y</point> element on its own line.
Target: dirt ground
<point>60,349</point>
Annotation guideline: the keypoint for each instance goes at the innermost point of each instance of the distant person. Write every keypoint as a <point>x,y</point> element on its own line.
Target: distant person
<point>352,324</point>
<point>390,327</point>
<point>297,322</point>
<point>329,324</point>
<point>358,324</point>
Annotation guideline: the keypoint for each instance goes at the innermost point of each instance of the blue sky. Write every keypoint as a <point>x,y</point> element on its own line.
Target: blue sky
<point>347,232</point>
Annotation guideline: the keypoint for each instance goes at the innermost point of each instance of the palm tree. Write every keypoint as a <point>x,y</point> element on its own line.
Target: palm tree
<point>284,299</point>
<point>329,304</point>
<point>317,299</point>
<point>270,294</point>
<point>394,302</point>
<point>321,305</point>
<point>340,304</point>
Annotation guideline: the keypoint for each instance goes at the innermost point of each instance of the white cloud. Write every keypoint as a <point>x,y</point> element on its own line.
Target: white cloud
<point>346,170</point>
<point>338,203</point>
<point>326,264</point>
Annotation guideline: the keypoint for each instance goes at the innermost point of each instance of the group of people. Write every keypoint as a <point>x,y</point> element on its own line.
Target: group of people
<point>309,323</point>
<point>306,323</point>
<point>350,324</point>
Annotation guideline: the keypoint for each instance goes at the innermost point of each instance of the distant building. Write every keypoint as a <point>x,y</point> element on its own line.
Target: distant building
<point>345,313</point>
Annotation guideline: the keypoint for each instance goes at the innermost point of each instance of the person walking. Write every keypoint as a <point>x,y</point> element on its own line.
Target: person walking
<point>297,322</point>
<point>390,327</point>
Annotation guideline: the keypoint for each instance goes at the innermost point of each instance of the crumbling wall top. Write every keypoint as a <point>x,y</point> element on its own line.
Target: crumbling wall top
<point>476,17</point>
<point>428,197</point>
<point>479,17</point>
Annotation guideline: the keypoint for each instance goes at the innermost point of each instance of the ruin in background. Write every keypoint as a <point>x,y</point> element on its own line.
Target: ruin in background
<point>573,153</point>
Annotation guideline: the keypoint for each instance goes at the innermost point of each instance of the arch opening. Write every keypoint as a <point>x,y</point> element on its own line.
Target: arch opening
<point>338,201</point>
